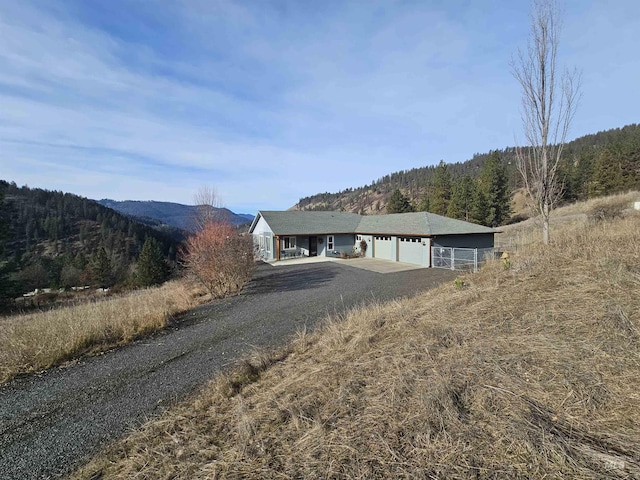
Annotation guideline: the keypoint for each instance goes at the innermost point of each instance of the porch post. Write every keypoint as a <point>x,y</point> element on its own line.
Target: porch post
<point>277,247</point>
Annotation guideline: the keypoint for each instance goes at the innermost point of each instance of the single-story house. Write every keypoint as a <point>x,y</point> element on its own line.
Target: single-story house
<point>420,238</point>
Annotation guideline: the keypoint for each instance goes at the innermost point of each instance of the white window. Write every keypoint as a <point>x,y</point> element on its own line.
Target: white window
<point>330,242</point>
<point>267,243</point>
<point>288,243</point>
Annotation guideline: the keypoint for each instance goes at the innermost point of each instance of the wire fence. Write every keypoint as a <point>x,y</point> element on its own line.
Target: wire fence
<point>466,259</point>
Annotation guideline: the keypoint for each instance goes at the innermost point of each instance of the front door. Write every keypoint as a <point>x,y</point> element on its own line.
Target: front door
<point>313,246</point>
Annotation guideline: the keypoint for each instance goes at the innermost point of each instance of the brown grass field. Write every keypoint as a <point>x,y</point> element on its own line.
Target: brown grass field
<point>36,341</point>
<point>530,370</point>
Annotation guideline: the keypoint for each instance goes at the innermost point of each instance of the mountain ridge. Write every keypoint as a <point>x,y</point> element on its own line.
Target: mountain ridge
<point>170,213</point>
<point>592,165</point>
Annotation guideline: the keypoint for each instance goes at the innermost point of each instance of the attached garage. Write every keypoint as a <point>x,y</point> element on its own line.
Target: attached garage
<point>413,250</point>
<point>383,247</point>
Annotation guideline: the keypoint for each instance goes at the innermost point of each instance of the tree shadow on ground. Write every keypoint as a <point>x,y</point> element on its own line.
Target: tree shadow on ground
<point>270,279</point>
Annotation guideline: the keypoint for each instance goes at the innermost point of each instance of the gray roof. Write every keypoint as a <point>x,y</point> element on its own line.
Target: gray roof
<point>418,224</point>
<point>294,222</point>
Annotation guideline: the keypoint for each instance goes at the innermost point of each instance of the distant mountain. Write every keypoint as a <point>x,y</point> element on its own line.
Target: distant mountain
<point>169,213</point>
<point>53,239</point>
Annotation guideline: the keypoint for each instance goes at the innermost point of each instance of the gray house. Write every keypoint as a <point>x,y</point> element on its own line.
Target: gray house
<point>420,238</point>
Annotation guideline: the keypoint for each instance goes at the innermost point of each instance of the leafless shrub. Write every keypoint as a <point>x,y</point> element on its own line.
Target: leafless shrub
<point>606,211</point>
<point>219,258</point>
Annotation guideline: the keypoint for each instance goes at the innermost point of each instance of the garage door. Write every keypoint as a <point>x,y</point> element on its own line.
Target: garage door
<point>383,248</point>
<point>411,250</point>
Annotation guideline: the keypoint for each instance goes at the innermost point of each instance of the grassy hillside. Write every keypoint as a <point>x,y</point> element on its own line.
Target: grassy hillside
<point>593,165</point>
<point>528,369</point>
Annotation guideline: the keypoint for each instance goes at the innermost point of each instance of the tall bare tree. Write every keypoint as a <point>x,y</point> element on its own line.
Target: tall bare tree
<point>208,207</point>
<point>549,101</point>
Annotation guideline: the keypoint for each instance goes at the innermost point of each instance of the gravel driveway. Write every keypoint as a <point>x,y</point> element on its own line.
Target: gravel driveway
<point>50,423</point>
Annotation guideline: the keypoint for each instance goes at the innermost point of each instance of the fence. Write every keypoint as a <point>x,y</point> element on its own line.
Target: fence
<point>469,259</point>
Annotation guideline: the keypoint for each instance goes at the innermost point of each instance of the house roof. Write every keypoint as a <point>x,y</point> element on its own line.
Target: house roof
<point>294,222</point>
<point>418,224</point>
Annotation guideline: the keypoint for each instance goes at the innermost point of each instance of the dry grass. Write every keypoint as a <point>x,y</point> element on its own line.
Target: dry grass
<point>598,209</point>
<point>36,341</point>
<point>527,372</point>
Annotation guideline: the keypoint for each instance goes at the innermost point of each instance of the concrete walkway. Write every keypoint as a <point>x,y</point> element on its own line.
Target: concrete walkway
<point>371,264</point>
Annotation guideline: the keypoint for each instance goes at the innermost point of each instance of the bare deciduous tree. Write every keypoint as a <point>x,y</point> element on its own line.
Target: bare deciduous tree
<point>220,258</point>
<point>549,102</point>
<point>208,207</point>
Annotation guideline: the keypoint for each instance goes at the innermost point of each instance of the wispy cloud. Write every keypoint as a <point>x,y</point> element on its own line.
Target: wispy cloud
<point>271,101</point>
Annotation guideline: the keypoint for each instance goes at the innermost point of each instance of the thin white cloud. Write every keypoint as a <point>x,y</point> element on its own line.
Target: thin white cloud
<point>271,101</point>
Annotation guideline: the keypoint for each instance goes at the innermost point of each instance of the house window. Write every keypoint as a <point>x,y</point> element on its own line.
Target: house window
<point>288,243</point>
<point>330,242</point>
<point>267,243</point>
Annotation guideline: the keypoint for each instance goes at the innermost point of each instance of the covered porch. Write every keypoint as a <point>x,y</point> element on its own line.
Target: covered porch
<point>327,245</point>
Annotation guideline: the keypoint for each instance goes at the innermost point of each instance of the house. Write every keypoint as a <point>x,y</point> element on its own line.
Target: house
<point>420,238</point>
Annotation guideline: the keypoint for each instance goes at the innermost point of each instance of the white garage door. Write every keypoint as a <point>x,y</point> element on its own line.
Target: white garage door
<point>411,250</point>
<point>383,247</point>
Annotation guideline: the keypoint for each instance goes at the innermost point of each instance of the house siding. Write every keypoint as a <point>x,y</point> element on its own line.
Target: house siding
<point>478,240</point>
<point>369,240</point>
<point>263,230</point>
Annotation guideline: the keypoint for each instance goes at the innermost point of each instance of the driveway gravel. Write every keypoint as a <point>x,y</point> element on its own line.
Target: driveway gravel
<point>51,422</point>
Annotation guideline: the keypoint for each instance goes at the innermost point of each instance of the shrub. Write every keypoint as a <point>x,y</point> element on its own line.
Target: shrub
<point>219,258</point>
<point>363,247</point>
<point>605,212</point>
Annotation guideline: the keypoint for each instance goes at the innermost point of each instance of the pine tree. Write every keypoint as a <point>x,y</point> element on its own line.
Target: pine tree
<point>495,185</point>
<point>152,269</point>
<point>399,203</point>
<point>615,169</point>
<point>423,205</point>
<point>480,207</point>
<point>462,199</point>
<point>101,268</point>
<point>441,191</point>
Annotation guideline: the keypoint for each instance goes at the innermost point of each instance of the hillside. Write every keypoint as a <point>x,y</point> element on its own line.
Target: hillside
<point>54,239</point>
<point>172,214</point>
<point>527,369</point>
<point>593,165</point>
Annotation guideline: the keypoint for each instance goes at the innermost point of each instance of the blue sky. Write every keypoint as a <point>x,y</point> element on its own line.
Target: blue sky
<point>270,101</point>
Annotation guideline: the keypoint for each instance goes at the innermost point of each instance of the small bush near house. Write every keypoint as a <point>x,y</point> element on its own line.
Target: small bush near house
<point>363,247</point>
<point>219,258</point>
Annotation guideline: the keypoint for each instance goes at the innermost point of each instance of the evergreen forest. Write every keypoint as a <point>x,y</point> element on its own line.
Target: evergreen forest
<point>475,190</point>
<point>50,239</point>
